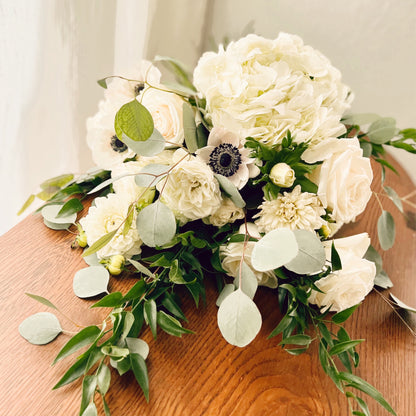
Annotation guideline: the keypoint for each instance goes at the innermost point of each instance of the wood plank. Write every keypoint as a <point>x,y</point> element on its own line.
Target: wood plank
<point>200,374</point>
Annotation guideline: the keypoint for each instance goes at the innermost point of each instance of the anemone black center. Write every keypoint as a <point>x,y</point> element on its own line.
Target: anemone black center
<point>138,88</point>
<point>225,159</point>
<point>117,145</point>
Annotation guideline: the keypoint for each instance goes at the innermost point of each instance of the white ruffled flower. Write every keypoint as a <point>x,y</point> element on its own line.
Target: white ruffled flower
<point>121,91</point>
<point>227,156</point>
<point>190,190</point>
<point>167,113</point>
<point>295,210</point>
<point>225,214</point>
<point>349,286</point>
<point>262,88</point>
<point>231,253</point>
<point>107,215</point>
<point>107,150</point>
<point>344,178</point>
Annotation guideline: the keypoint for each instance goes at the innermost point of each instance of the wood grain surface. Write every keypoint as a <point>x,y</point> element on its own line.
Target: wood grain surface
<point>201,374</point>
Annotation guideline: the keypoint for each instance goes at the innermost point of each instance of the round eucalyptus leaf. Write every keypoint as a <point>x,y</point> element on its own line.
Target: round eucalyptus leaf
<point>276,248</point>
<point>151,147</point>
<point>156,224</point>
<point>91,281</point>
<point>226,290</point>
<point>49,214</point>
<point>150,175</point>
<point>231,190</point>
<point>92,260</point>
<point>382,130</point>
<point>360,119</point>
<point>311,256</point>
<point>386,230</point>
<point>40,328</point>
<point>249,281</point>
<point>239,319</point>
<point>138,346</point>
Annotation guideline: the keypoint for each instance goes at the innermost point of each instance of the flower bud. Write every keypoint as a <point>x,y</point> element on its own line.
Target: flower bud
<point>81,238</point>
<point>147,198</point>
<point>282,175</point>
<point>115,264</point>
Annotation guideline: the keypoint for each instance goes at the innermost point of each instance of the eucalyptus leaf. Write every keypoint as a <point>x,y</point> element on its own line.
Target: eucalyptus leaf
<point>134,121</point>
<point>99,244</point>
<point>139,368</point>
<point>104,184</point>
<point>382,130</point>
<point>114,351</point>
<point>386,230</point>
<point>275,249</point>
<point>50,216</point>
<point>56,227</point>
<point>394,197</point>
<point>151,147</point>
<point>92,260</point>
<point>373,255</point>
<point>231,190</point>
<point>360,119</point>
<point>249,281</point>
<point>156,224</point>
<point>311,254</point>
<point>239,319</point>
<point>226,290</point>
<point>189,128</point>
<point>138,346</point>
<point>150,175</point>
<point>401,304</point>
<point>40,328</point>
<point>42,300</point>
<point>103,379</point>
<point>383,280</point>
<point>91,281</point>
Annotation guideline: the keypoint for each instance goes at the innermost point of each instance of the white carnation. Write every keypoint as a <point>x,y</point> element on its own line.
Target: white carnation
<point>295,210</point>
<point>190,190</point>
<point>349,286</point>
<point>107,215</point>
<point>262,88</point>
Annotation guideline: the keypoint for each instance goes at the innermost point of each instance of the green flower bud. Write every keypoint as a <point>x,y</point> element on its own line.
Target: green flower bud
<point>115,264</point>
<point>147,198</point>
<point>282,175</point>
<point>81,238</point>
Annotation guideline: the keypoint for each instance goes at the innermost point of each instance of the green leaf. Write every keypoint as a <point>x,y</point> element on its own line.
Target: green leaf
<point>99,244</point>
<point>139,368</point>
<point>103,379</point>
<point>296,351</point>
<point>249,281</point>
<point>282,325</point>
<point>342,316</point>
<point>27,204</point>
<point>298,339</point>
<point>138,346</point>
<point>386,230</point>
<point>114,351</point>
<point>373,255</point>
<point>335,259</point>
<point>179,70</point>
<point>386,164</point>
<point>151,147</point>
<point>70,207</point>
<point>88,389</point>
<point>57,181</point>
<point>86,336</point>
<point>74,372</point>
<point>102,83</point>
<point>50,217</point>
<point>175,273</point>
<point>276,248</point>
<point>231,190</point>
<point>136,292</point>
<point>360,119</point>
<point>150,175</point>
<point>141,268</point>
<point>394,197</point>
<point>171,325</point>
<point>344,346</point>
<point>91,281</point>
<point>150,315</point>
<point>189,128</point>
<point>105,406</point>
<point>382,130</point>
<point>40,328</point>
<point>134,121</point>
<point>383,280</point>
<point>311,254</point>
<point>173,307</point>
<point>111,300</point>
<point>121,366</point>
<point>227,290</point>
<point>239,319</point>
<point>42,300</point>
<point>408,134</point>
<point>91,410</point>
<point>129,219</point>
<point>156,224</point>
<point>401,304</point>
<point>367,148</point>
<point>362,385</point>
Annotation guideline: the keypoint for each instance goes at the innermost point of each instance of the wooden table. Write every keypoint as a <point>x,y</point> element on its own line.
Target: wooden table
<point>201,374</point>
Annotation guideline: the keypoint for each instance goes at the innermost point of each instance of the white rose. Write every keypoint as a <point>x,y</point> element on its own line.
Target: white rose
<point>343,179</point>
<point>231,253</point>
<point>226,213</point>
<point>190,190</point>
<point>107,215</point>
<point>349,286</point>
<point>166,110</point>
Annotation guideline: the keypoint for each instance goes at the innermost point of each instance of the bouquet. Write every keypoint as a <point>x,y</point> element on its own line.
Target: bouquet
<point>242,173</point>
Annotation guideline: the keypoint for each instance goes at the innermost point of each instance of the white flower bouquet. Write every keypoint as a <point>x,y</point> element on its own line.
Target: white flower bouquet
<point>243,175</point>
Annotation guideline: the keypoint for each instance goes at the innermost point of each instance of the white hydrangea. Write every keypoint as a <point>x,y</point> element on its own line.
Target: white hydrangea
<point>107,215</point>
<point>296,210</point>
<point>262,88</point>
